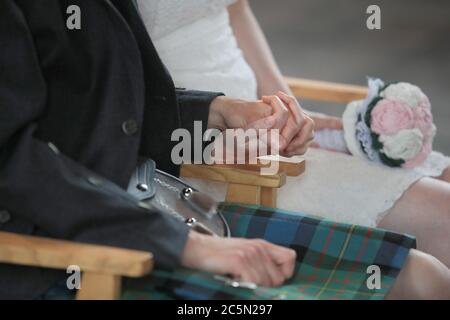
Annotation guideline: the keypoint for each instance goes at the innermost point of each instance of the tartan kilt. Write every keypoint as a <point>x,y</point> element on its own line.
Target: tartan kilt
<point>332,260</point>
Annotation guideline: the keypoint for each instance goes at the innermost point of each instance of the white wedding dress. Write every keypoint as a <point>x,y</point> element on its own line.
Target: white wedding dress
<point>195,41</point>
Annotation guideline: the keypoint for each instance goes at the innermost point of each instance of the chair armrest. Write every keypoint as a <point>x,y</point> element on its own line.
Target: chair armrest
<point>58,254</point>
<point>248,174</point>
<point>245,175</point>
<point>326,91</point>
<point>292,167</point>
<point>246,184</point>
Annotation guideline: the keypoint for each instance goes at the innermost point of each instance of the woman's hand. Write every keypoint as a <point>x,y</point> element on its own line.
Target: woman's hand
<point>255,261</point>
<point>298,133</point>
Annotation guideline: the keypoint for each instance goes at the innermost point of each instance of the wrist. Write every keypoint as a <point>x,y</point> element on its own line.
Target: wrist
<point>216,118</point>
<point>195,249</point>
<point>271,83</point>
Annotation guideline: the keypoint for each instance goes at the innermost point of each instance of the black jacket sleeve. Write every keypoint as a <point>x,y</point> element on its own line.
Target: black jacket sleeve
<point>194,106</point>
<point>51,191</point>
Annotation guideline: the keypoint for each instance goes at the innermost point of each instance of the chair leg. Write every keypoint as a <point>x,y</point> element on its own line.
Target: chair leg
<point>97,286</point>
<point>269,197</point>
<point>239,193</point>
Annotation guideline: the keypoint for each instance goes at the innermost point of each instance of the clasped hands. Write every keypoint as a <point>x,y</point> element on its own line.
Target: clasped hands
<point>279,111</point>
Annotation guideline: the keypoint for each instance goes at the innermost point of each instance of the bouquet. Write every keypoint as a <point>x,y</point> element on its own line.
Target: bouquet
<point>393,125</point>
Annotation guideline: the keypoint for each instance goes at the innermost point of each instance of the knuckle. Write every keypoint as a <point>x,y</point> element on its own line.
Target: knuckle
<point>269,99</point>
<point>267,110</point>
<point>252,251</point>
<point>290,97</point>
<point>261,242</point>
<point>258,249</point>
<point>240,256</point>
<point>291,255</point>
<point>310,126</point>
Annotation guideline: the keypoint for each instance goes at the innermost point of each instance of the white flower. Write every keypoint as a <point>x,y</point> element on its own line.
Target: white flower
<point>406,93</point>
<point>404,145</point>
<point>374,86</point>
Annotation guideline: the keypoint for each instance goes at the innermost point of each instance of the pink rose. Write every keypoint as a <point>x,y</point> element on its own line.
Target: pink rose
<point>389,117</point>
<point>420,158</point>
<point>423,120</point>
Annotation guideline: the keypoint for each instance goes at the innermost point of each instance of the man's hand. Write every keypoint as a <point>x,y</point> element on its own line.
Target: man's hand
<point>255,261</point>
<point>229,113</point>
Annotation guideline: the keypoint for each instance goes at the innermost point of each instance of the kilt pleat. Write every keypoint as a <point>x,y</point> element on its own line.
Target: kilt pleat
<point>332,260</point>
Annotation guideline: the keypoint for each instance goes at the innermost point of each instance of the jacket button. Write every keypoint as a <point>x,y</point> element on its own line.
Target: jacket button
<point>160,99</point>
<point>130,127</point>
<point>5,216</point>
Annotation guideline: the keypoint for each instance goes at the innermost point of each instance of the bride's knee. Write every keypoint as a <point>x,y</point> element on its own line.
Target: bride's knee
<point>425,277</point>
<point>425,201</point>
<point>429,193</point>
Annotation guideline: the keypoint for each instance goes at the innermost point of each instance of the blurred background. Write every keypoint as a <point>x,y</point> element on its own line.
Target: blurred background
<point>328,40</point>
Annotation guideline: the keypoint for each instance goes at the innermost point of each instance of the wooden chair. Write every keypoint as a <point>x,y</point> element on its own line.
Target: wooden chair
<point>103,267</point>
<point>245,183</point>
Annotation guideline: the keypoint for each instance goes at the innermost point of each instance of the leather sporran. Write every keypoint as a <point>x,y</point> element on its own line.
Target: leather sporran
<point>170,195</point>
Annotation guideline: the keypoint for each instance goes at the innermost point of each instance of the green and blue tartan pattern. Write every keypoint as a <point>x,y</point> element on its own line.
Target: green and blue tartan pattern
<point>332,260</point>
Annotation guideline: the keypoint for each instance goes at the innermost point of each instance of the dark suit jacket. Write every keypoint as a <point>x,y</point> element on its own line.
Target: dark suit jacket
<point>102,97</point>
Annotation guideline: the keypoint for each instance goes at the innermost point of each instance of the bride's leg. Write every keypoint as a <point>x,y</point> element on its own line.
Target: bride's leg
<point>424,211</point>
<point>422,277</point>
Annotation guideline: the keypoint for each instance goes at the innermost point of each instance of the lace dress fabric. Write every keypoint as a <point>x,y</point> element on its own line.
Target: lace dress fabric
<point>195,41</point>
